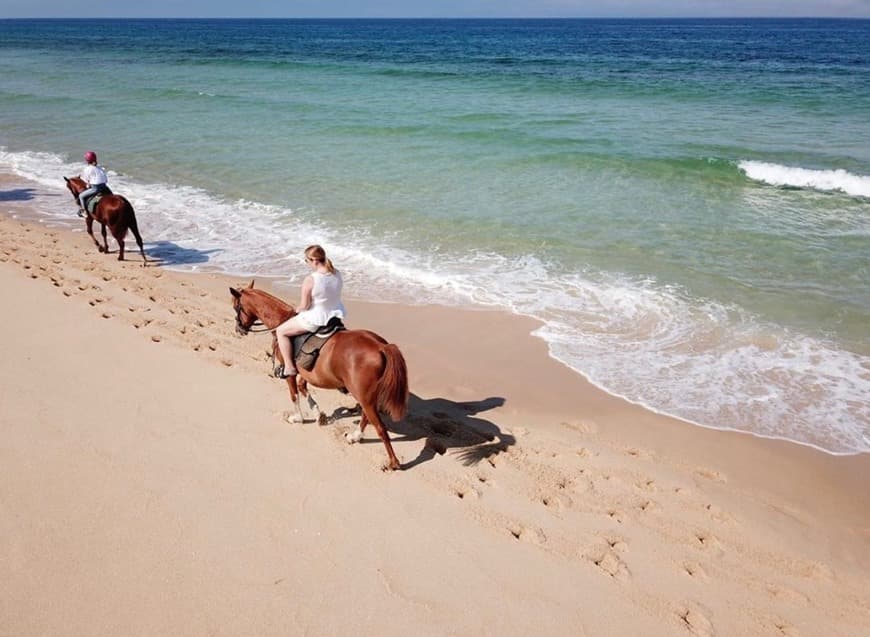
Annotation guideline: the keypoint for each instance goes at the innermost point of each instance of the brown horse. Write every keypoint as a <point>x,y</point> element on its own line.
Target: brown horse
<point>357,361</point>
<point>113,211</point>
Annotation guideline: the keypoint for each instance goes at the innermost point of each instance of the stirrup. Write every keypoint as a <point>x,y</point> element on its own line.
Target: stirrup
<point>279,372</point>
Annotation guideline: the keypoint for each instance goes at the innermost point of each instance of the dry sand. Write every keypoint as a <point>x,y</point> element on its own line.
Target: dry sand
<point>150,484</point>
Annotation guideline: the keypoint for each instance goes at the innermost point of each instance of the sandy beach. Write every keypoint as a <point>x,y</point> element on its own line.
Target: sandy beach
<point>151,484</point>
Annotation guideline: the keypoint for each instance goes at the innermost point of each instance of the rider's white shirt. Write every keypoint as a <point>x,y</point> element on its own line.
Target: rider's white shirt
<point>94,175</point>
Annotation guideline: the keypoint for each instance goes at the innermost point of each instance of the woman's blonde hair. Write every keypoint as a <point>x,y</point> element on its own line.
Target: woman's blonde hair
<point>319,255</point>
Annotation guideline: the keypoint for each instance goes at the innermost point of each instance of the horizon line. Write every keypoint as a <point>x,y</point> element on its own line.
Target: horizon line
<point>674,17</point>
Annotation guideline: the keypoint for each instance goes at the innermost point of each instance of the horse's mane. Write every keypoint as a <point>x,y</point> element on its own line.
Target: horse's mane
<point>278,304</point>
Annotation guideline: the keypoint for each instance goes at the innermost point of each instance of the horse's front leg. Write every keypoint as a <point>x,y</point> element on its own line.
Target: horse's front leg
<point>294,397</point>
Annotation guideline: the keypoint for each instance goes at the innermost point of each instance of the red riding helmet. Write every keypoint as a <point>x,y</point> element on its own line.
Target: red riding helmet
<point>91,157</point>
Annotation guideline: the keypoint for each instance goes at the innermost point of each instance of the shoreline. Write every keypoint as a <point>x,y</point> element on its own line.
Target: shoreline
<point>654,523</point>
<point>562,384</point>
<point>276,285</point>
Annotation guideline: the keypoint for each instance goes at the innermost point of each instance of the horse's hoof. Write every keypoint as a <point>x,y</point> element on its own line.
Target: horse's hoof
<point>354,437</point>
<point>292,418</point>
<point>321,419</point>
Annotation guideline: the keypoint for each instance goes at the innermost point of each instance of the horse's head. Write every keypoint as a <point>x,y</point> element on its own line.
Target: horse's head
<point>246,314</point>
<point>75,185</point>
<point>253,305</point>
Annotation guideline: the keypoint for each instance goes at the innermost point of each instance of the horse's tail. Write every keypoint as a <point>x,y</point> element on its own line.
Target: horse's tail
<point>393,384</point>
<point>133,226</point>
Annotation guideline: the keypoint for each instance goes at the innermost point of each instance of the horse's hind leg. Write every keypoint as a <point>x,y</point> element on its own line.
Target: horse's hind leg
<point>357,435</point>
<point>120,247</point>
<point>105,247</point>
<point>89,224</point>
<point>370,414</point>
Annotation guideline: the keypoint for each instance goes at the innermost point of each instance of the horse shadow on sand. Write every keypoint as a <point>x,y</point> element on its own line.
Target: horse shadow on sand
<point>18,194</point>
<point>445,425</point>
<point>167,253</point>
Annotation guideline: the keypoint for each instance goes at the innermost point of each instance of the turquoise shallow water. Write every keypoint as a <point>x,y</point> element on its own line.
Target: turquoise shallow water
<point>684,204</point>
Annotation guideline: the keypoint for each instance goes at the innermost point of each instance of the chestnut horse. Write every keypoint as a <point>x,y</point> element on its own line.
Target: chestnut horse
<point>113,211</point>
<point>356,361</point>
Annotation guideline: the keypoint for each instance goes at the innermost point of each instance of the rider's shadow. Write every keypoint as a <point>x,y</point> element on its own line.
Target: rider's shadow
<point>18,194</point>
<point>447,425</point>
<point>169,253</point>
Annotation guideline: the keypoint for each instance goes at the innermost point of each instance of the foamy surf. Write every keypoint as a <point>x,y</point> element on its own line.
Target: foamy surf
<point>837,180</point>
<point>703,361</point>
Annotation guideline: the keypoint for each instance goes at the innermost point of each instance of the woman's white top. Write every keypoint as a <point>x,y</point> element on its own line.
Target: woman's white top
<point>325,299</point>
<point>94,175</point>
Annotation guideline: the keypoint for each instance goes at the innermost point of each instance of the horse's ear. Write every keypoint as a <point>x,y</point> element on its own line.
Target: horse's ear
<point>252,284</point>
<point>66,179</point>
<point>235,292</point>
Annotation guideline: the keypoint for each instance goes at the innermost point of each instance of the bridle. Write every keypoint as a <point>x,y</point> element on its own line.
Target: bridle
<point>240,326</point>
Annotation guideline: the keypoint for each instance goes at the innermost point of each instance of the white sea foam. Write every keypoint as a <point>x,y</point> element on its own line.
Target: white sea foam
<point>693,358</point>
<point>838,180</point>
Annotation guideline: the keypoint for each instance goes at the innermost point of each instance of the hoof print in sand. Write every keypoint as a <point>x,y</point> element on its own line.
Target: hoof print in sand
<point>533,536</point>
<point>697,621</point>
<point>608,561</point>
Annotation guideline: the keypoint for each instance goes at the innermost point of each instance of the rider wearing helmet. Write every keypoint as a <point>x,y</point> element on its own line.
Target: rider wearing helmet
<point>95,177</point>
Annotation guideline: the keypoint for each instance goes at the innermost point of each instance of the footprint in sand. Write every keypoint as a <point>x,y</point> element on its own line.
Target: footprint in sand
<point>709,542</point>
<point>646,484</point>
<point>462,492</point>
<point>718,514</point>
<point>616,543</point>
<point>695,570</point>
<point>615,515</point>
<point>533,536</point>
<point>710,474</point>
<point>559,501</point>
<point>784,593</point>
<point>608,561</point>
<point>638,453</point>
<point>696,620</point>
<point>644,505</point>
<point>785,629</point>
<point>582,426</point>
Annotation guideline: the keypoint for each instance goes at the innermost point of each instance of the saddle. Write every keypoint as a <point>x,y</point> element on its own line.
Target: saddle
<point>92,201</point>
<point>306,347</point>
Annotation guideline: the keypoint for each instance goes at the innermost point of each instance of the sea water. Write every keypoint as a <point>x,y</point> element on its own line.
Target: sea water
<point>683,204</point>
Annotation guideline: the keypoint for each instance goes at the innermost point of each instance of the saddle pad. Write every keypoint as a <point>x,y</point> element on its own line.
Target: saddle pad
<point>92,202</point>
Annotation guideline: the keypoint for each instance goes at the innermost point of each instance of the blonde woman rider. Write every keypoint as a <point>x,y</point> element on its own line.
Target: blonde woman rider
<point>321,301</point>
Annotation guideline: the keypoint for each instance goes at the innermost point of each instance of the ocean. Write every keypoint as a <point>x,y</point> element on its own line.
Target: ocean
<point>683,204</point>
